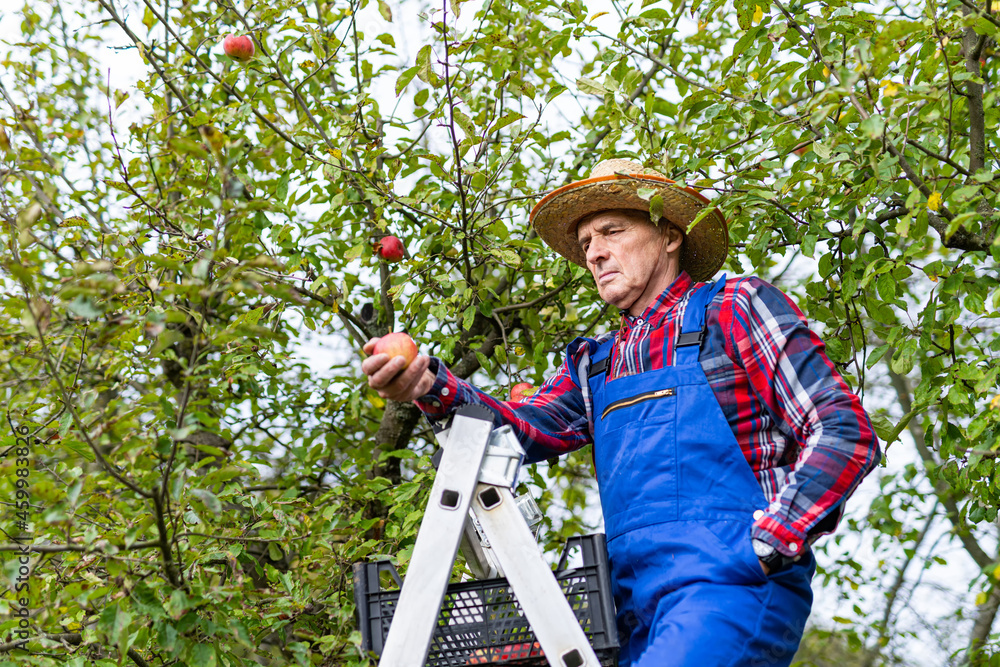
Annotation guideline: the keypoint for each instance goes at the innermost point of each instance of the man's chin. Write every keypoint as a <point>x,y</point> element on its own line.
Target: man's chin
<point>616,299</point>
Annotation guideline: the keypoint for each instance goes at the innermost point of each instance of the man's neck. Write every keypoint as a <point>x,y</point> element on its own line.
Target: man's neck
<point>654,289</point>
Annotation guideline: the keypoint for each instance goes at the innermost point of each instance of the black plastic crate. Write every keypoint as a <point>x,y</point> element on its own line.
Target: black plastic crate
<point>481,622</point>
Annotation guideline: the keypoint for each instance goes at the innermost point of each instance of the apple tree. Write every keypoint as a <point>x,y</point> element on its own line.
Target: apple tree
<point>191,267</point>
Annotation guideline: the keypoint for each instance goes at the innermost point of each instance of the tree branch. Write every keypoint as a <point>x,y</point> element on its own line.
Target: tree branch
<point>972,47</point>
<point>534,302</point>
<point>897,585</point>
<point>937,156</point>
<point>941,487</point>
<point>348,320</point>
<point>985,616</point>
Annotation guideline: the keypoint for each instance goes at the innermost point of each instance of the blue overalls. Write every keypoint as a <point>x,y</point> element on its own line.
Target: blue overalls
<point>679,499</point>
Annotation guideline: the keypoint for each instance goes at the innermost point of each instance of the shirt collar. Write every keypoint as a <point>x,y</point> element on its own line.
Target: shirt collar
<point>664,303</point>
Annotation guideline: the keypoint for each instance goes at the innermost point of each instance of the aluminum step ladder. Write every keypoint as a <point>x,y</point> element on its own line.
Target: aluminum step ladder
<point>478,471</point>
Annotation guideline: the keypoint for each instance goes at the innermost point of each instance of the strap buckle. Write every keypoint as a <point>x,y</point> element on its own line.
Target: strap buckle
<point>691,338</point>
<point>598,368</point>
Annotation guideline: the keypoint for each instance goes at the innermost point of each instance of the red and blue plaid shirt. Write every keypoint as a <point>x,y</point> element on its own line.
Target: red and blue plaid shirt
<point>801,429</point>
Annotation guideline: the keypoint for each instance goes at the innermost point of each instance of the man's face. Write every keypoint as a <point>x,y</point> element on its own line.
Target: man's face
<point>632,260</point>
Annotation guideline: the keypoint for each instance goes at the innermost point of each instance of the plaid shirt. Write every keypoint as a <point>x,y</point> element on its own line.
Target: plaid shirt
<point>801,429</point>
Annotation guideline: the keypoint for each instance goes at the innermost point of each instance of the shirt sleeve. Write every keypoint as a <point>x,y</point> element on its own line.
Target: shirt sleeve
<point>790,373</point>
<point>552,421</point>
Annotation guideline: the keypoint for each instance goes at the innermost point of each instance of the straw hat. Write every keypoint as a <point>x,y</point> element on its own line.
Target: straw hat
<point>614,184</point>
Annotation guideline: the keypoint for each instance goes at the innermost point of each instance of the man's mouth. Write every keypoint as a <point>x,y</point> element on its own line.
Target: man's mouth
<point>606,276</point>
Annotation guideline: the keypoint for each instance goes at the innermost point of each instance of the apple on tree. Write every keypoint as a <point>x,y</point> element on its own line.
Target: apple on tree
<point>238,47</point>
<point>397,345</point>
<point>521,391</point>
<point>389,248</point>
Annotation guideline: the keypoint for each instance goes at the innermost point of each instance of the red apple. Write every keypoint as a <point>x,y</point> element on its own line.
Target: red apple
<point>238,47</point>
<point>390,249</point>
<point>397,345</point>
<point>521,391</point>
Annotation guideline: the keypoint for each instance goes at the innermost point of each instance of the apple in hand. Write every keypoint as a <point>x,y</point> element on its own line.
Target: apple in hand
<point>390,249</point>
<point>397,345</point>
<point>521,391</point>
<point>238,47</point>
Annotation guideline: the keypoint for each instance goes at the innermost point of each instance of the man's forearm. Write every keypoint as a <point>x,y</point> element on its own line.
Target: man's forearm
<point>551,422</point>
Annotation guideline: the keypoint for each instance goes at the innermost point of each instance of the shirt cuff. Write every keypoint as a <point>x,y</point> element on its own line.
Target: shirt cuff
<point>784,538</point>
<point>438,402</point>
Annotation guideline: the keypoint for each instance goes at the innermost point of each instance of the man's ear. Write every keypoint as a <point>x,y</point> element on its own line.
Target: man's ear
<point>675,238</point>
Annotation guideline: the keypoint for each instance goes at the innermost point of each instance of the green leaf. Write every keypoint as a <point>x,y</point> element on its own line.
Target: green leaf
<point>355,252</point>
<point>84,307</point>
<point>383,9</point>
<point>466,124</point>
<point>901,363</point>
<point>187,146</point>
<point>203,655</point>
<point>79,448</point>
<point>209,499</point>
<point>656,13</point>
<point>424,71</point>
<point>507,256</point>
<point>959,221</point>
<point>976,428</point>
<point>178,604</point>
<point>744,13</point>
<point>884,429</point>
<point>590,86</point>
<point>554,92</point>
<point>983,176</point>
<point>873,127</point>
<point>875,355</point>
<point>886,285</point>
<point>146,601</point>
<point>404,79</point>
<point>809,245</point>
<point>505,120</point>
<point>656,208</point>
<point>281,191</point>
<point>73,492</point>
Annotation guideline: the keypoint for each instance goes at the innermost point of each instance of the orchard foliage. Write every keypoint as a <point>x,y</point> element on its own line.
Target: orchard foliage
<point>175,250</point>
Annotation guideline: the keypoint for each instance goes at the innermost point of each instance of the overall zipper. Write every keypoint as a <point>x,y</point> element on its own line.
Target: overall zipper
<point>638,398</point>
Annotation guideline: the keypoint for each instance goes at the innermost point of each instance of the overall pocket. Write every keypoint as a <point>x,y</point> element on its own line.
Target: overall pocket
<point>638,398</point>
<point>736,544</point>
<point>637,475</point>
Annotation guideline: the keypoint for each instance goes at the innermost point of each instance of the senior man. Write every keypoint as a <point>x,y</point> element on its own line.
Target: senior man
<point>725,441</point>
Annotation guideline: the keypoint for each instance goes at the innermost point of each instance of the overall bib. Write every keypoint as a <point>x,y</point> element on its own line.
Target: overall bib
<point>679,500</point>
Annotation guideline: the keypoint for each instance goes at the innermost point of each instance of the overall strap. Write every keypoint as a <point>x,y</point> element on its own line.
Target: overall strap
<point>693,327</point>
<point>599,361</point>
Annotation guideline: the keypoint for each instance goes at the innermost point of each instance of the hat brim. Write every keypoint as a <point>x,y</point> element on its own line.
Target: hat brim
<point>706,244</point>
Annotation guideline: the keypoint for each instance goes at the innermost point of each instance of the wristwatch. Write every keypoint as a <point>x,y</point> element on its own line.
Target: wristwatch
<point>771,557</point>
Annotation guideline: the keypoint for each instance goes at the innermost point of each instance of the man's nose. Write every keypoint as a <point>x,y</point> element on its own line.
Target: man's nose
<point>596,251</point>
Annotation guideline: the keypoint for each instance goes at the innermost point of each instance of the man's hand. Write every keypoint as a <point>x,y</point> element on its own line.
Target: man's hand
<point>385,377</point>
<point>763,566</point>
